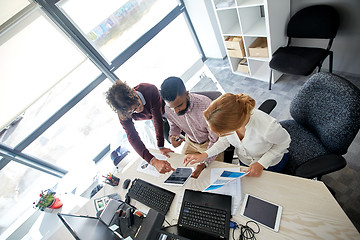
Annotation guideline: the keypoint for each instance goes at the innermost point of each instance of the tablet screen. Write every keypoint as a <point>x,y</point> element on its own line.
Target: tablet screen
<point>262,212</point>
<point>179,176</point>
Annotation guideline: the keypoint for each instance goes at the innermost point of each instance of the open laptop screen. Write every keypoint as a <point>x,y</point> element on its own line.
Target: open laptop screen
<point>89,228</point>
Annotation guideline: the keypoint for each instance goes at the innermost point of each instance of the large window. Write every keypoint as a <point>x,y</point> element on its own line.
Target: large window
<point>52,87</point>
<point>40,74</point>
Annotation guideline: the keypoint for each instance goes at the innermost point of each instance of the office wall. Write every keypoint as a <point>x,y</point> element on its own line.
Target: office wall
<point>346,46</point>
<point>205,24</point>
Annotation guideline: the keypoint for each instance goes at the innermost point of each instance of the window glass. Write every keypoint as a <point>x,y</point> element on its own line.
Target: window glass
<point>170,53</point>
<point>50,66</point>
<point>27,49</point>
<point>12,7</point>
<point>81,134</point>
<point>114,26</point>
<point>49,103</point>
<point>20,187</point>
<point>32,63</point>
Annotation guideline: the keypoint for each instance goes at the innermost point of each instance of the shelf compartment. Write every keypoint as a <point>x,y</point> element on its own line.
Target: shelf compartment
<point>259,48</point>
<point>259,69</point>
<point>235,46</point>
<point>243,66</point>
<point>247,42</point>
<point>229,22</point>
<point>253,21</point>
<point>249,3</point>
<point>234,62</point>
<point>224,4</point>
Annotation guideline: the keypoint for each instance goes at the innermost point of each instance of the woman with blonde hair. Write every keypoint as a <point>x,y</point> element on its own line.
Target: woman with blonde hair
<point>259,140</point>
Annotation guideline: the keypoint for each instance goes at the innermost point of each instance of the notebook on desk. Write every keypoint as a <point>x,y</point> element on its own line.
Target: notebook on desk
<point>203,215</point>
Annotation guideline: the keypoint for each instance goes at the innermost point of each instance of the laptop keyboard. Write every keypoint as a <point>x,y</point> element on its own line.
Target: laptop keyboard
<point>207,219</point>
<point>152,196</point>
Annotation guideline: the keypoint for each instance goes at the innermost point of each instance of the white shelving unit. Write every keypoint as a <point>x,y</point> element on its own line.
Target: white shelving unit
<point>251,19</point>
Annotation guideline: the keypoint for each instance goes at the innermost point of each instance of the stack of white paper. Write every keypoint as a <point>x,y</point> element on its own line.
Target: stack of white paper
<point>227,181</point>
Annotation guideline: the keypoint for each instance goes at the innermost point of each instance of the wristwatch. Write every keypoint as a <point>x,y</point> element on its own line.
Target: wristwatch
<point>206,163</point>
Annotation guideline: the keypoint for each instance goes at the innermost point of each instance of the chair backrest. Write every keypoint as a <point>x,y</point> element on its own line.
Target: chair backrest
<point>210,94</point>
<point>318,21</point>
<point>329,106</point>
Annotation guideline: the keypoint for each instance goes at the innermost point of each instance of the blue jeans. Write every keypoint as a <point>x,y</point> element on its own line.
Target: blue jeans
<point>278,167</point>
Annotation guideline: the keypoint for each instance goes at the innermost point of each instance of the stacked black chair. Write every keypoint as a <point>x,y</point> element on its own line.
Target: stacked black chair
<point>314,22</point>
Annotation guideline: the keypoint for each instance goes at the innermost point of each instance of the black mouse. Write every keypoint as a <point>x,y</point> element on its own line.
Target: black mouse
<point>126,183</point>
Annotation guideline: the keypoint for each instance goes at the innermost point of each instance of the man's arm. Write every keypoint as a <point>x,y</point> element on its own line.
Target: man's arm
<point>135,140</point>
<point>157,116</point>
<point>161,166</point>
<point>174,129</point>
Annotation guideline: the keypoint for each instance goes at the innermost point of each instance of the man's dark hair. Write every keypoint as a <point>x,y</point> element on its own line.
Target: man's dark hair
<point>171,88</point>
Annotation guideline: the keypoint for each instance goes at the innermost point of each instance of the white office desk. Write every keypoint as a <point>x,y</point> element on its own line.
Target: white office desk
<point>309,209</point>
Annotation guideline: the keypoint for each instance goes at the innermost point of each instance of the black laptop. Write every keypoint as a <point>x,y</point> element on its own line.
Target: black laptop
<point>89,228</point>
<point>85,227</point>
<point>203,215</point>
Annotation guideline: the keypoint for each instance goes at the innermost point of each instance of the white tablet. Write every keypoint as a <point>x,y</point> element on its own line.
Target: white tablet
<point>179,176</point>
<point>262,211</point>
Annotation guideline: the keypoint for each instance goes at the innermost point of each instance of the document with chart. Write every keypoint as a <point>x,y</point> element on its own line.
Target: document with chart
<point>227,181</point>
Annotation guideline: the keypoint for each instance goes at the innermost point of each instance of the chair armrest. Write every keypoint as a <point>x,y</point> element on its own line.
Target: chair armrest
<point>268,106</point>
<point>320,166</point>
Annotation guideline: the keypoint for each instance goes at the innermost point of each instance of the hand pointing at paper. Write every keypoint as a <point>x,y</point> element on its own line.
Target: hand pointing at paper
<point>162,166</point>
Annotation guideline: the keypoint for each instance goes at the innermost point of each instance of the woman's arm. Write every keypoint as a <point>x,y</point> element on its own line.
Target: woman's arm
<point>280,140</point>
<point>219,146</point>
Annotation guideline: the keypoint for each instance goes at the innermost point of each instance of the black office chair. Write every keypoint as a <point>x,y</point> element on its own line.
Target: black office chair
<point>314,22</point>
<point>326,119</point>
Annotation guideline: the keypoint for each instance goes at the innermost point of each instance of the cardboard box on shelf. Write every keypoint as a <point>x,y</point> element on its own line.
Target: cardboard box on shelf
<point>259,48</point>
<point>235,47</point>
<point>234,42</point>
<point>243,66</point>
<point>235,53</point>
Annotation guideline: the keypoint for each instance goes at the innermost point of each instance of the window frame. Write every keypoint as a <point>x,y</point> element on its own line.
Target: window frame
<point>50,9</point>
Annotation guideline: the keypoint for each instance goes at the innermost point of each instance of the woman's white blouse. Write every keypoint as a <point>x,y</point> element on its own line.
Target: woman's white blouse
<point>265,141</point>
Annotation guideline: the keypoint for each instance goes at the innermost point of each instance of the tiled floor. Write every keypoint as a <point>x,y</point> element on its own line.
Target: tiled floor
<point>346,181</point>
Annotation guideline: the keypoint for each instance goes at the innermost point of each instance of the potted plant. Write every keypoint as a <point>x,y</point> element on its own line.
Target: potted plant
<point>47,200</point>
